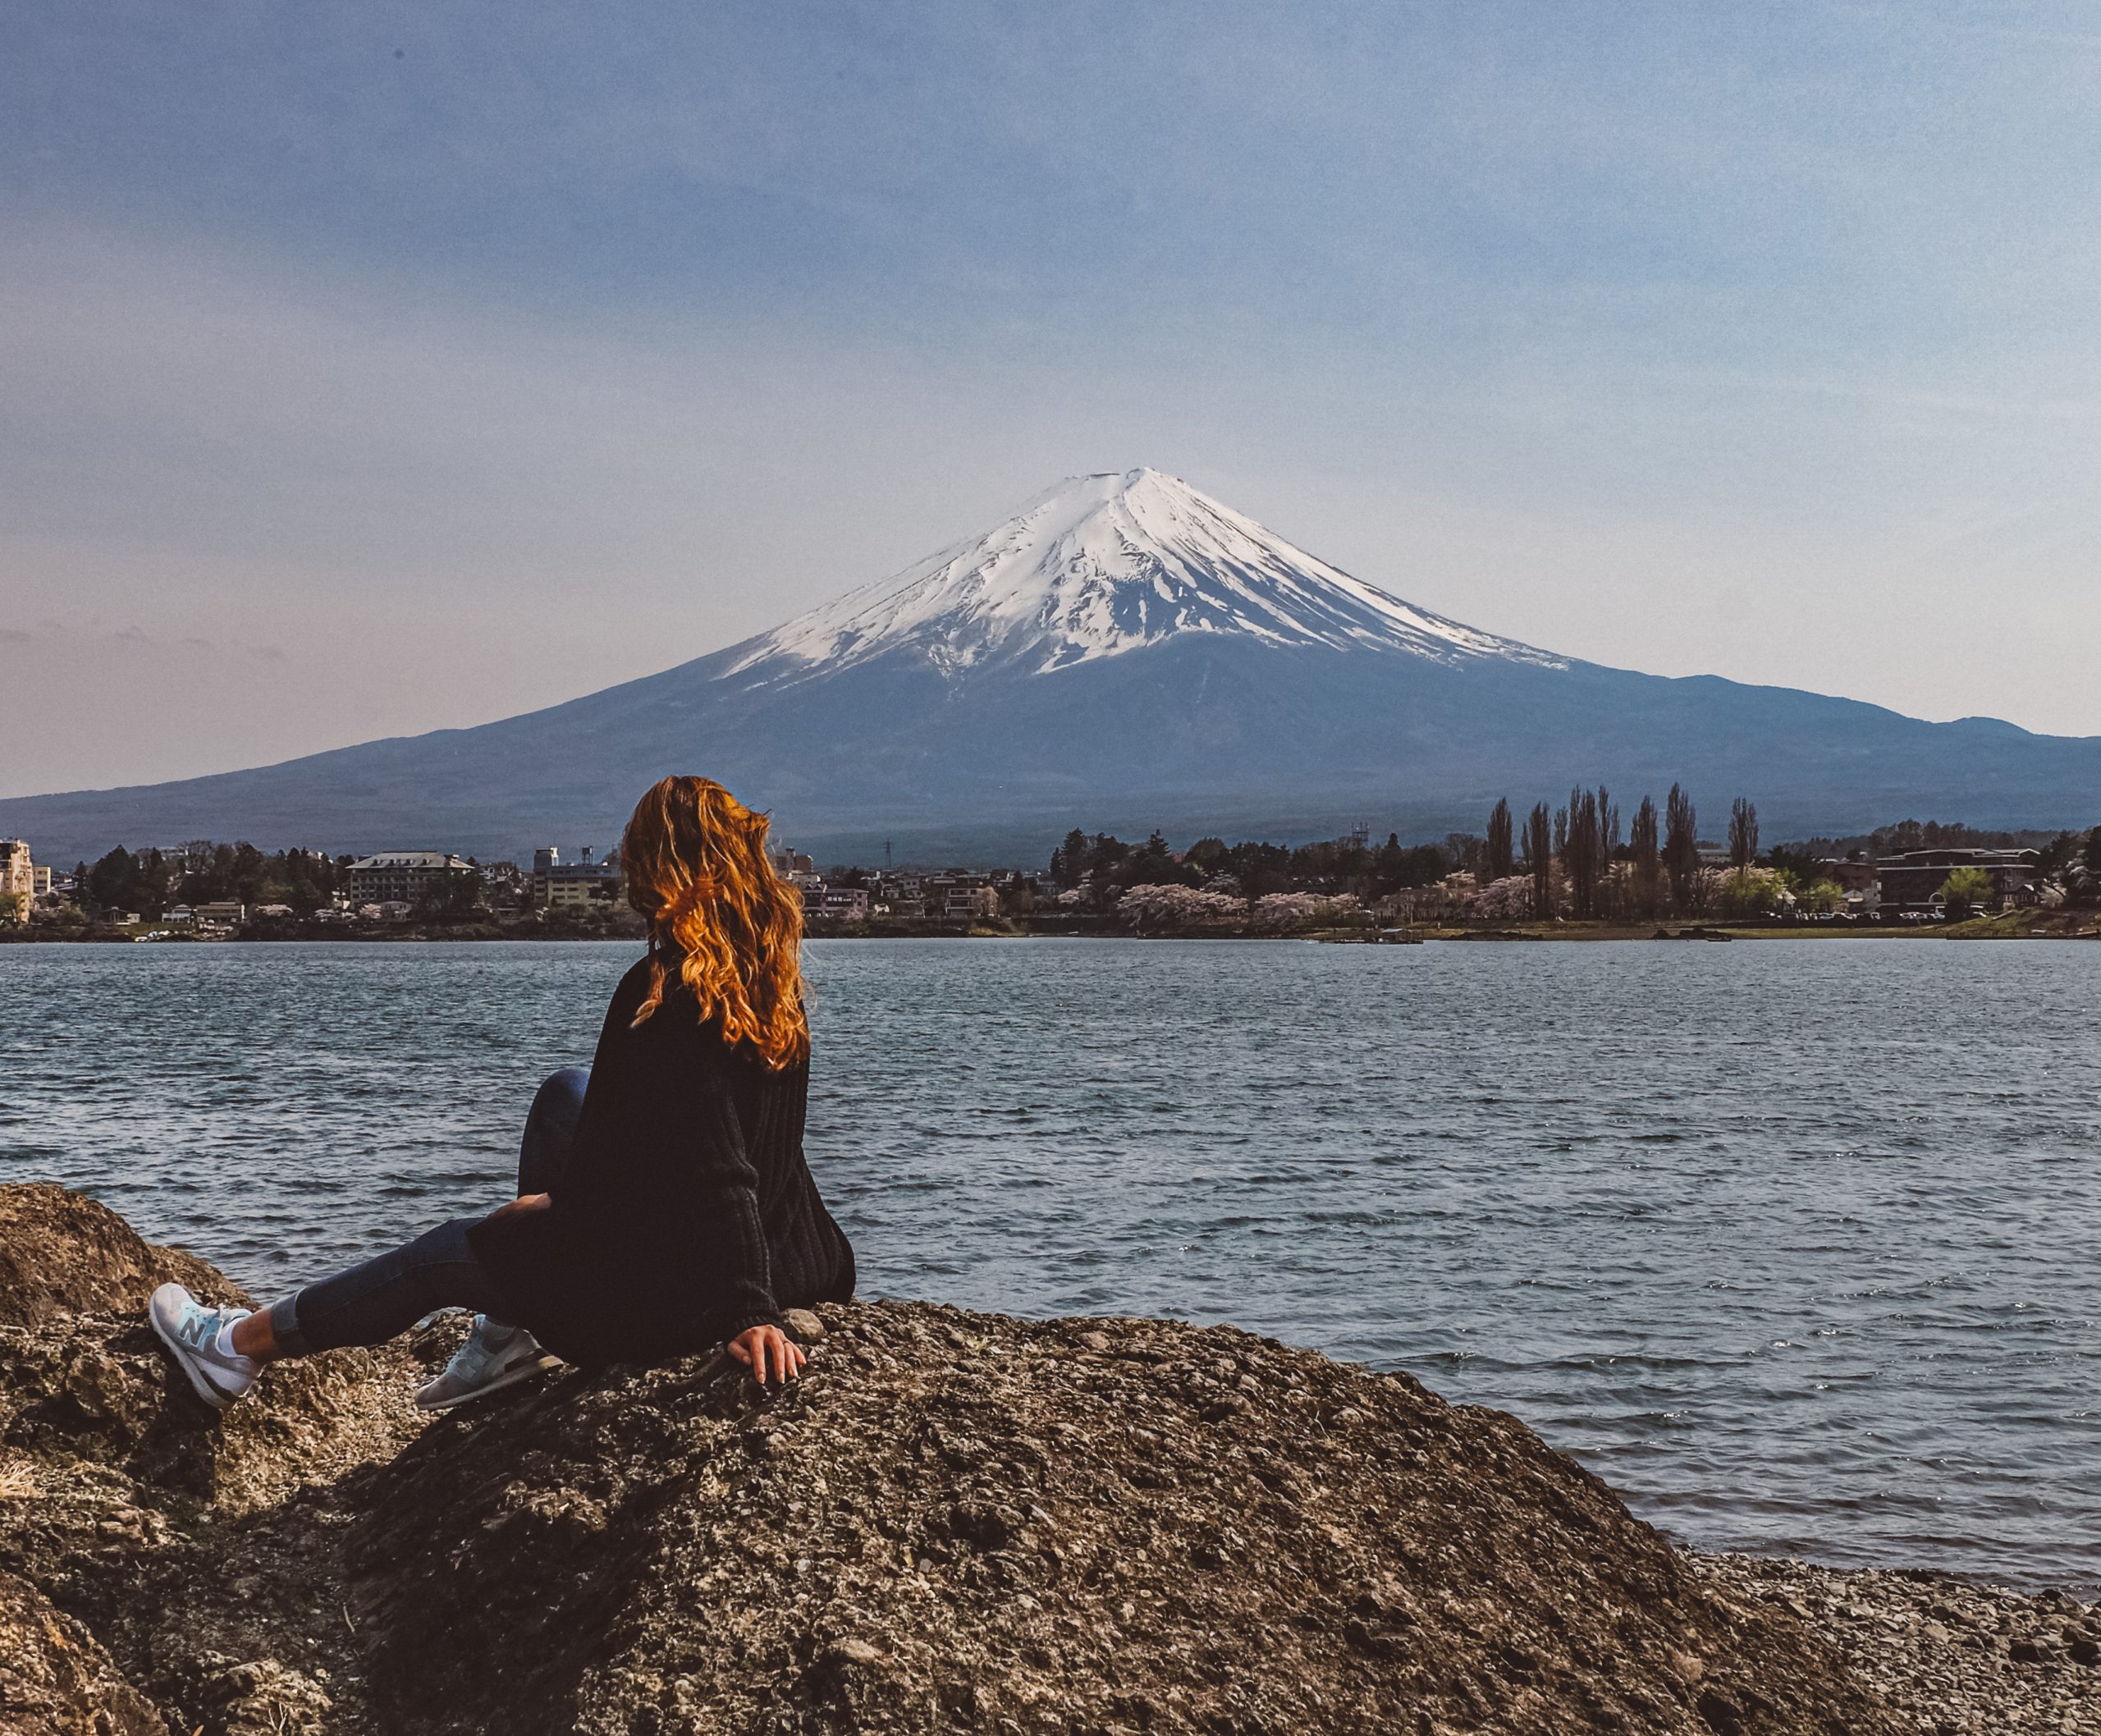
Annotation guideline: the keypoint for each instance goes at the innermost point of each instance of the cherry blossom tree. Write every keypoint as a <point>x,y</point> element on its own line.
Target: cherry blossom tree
<point>1510,896</point>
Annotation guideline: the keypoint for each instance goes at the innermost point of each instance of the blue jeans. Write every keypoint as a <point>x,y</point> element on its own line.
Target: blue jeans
<point>388,1295</point>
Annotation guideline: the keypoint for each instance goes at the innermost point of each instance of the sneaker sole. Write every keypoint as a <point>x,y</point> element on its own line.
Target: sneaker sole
<point>204,1389</point>
<point>509,1377</point>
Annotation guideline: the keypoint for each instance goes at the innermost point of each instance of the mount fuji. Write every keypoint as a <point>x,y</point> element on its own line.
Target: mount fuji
<point>1122,653</point>
<point>1100,566</point>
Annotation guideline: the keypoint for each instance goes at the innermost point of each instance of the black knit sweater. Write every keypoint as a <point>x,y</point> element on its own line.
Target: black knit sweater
<point>687,1211</point>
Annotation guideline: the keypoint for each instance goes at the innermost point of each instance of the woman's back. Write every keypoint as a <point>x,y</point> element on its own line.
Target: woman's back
<point>688,1212</point>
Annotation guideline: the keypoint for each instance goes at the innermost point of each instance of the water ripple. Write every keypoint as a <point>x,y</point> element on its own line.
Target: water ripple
<point>1793,1243</point>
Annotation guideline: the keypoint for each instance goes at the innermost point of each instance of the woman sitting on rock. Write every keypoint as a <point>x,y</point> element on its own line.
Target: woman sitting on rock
<point>664,1209</point>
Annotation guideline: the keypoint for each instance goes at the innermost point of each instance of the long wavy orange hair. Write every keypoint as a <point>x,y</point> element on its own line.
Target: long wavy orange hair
<point>693,858</point>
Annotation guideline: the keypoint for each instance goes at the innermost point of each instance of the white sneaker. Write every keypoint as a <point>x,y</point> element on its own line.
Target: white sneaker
<point>190,1331</point>
<point>493,1358</point>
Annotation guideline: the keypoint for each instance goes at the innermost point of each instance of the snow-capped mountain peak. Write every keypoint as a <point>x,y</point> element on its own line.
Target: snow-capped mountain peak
<point>1100,566</point>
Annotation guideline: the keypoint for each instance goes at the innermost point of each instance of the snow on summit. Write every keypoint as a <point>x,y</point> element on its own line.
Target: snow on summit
<point>1099,566</point>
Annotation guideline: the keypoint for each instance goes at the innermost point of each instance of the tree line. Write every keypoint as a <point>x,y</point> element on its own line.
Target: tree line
<point>1103,867</point>
<point>1583,859</point>
<point>1580,865</point>
<point>153,880</point>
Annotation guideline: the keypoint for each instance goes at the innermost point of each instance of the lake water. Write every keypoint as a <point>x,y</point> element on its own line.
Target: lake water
<point>1798,1243</point>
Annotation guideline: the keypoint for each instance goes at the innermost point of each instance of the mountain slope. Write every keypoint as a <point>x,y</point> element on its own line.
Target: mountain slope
<point>1122,652</point>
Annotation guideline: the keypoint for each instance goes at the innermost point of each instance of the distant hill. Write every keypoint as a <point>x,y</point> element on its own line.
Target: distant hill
<point>1123,652</point>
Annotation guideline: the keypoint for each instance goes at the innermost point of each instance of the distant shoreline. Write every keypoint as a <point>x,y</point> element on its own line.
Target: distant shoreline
<point>2028,924</point>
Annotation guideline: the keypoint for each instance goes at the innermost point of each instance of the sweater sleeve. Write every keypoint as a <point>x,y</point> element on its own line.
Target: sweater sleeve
<point>725,1200</point>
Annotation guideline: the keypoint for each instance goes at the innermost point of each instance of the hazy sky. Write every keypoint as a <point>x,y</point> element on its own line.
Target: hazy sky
<point>368,369</point>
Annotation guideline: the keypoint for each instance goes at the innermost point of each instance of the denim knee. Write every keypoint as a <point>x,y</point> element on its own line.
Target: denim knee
<point>550,1130</point>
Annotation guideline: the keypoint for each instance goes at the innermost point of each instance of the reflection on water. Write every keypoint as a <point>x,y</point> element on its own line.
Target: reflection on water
<point>1794,1242</point>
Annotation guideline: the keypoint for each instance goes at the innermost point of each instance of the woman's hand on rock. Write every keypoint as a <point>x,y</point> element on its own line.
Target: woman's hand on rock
<point>769,1352</point>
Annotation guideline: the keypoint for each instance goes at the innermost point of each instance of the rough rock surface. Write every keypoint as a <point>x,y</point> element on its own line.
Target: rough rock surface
<point>55,1680</point>
<point>954,1522</point>
<point>961,1522</point>
<point>61,1253</point>
<point>1956,1658</point>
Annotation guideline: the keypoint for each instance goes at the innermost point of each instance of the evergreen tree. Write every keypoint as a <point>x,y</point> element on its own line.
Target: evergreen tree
<point>1499,857</point>
<point>1582,853</point>
<point>1069,860</point>
<point>113,882</point>
<point>1539,858</point>
<point>1388,865</point>
<point>1681,847</point>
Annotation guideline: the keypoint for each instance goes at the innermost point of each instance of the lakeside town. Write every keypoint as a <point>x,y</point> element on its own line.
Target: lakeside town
<point>1567,871</point>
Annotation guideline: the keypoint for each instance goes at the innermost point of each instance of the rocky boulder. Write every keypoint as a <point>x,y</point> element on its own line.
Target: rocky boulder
<point>61,1253</point>
<point>952,1522</point>
<point>961,1522</point>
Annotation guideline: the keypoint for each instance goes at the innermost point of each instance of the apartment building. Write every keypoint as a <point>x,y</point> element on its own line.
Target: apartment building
<point>18,877</point>
<point>573,886</point>
<point>403,875</point>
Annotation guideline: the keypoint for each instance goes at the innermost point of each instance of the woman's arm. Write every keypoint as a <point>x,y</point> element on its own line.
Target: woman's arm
<point>686,1143</point>
<point>726,1198</point>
